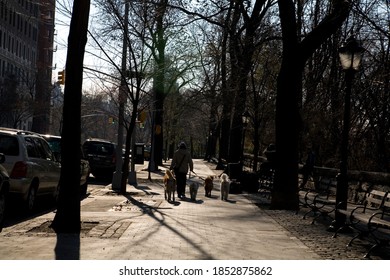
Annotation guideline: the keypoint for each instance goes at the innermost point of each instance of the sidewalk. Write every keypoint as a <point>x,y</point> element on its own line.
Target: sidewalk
<point>143,226</point>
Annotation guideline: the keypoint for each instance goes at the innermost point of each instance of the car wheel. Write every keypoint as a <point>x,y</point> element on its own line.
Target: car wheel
<point>32,193</point>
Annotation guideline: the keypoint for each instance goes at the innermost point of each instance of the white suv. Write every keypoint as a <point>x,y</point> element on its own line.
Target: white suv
<point>31,165</point>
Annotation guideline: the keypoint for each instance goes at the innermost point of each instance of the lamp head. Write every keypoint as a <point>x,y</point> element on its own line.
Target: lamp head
<point>350,54</point>
<point>245,118</point>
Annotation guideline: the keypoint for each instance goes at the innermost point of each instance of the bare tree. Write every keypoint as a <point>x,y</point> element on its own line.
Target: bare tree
<point>261,98</point>
<point>295,54</point>
<point>67,218</point>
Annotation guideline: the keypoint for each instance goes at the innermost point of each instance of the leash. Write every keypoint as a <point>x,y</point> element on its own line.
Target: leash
<point>189,176</point>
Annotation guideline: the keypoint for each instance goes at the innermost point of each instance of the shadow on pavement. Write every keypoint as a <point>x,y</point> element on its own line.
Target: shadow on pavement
<point>159,216</point>
<point>16,213</point>
<point>67,247</point>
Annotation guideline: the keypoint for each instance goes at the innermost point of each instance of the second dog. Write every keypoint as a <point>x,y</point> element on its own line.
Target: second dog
<point>193,190</point>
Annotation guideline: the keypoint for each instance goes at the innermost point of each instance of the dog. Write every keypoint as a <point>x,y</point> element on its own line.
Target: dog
<point>169,186</point>
<point>225,186</point>
<point>194,186</point>
<point>208,185</point>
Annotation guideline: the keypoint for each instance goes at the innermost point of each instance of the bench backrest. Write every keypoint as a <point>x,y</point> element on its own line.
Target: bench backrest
<point>376,199</point>
<point>327,186</point>
<point>386,203</point>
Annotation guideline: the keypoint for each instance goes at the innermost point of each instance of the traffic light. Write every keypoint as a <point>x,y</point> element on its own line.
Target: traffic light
<point>111,120</point>
<point>142,116</point>
<point>61,77</point>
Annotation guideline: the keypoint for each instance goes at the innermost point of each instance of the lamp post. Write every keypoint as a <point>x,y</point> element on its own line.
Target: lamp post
<point>245,120</point>
<point>350,56</point>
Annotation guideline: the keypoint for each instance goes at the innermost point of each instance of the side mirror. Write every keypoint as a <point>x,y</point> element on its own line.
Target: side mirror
<point>2,158</point>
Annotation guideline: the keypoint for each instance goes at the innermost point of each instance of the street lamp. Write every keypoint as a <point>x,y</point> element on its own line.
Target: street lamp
<point>350,56</point>
<point>245,120</point>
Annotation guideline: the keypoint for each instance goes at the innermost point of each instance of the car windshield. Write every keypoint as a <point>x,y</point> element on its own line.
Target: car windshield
<point>9,145</point>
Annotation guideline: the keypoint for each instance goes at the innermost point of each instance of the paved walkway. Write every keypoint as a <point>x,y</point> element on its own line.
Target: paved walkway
<point>143,225</point>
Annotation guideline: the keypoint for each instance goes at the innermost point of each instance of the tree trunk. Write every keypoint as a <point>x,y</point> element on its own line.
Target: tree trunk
<point>67,218</point>
<point>287,119</point>
<point>159,84</point>
<point>285,195</point>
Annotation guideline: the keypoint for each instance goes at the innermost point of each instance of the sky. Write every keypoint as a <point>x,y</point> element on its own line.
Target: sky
<point>62,22</point>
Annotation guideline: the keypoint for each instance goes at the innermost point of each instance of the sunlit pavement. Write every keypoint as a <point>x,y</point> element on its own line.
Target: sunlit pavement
<point>143,225</point>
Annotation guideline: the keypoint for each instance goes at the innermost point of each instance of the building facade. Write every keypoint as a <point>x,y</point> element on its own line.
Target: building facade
<point>26,58</point>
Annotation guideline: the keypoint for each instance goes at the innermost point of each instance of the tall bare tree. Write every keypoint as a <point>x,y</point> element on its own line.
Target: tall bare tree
<point>296,52</point>
<point>243,39</point>
<point>67,218</point>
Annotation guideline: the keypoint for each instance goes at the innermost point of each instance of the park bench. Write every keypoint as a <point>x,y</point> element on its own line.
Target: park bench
<point>266,176</point>
<point>321,200</point>
<point>370,219</point>
<point>310,186</point>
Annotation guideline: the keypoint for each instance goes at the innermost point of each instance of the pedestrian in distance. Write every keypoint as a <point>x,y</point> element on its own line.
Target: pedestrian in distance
<point>181,163</point>
<point>308,167</point>
<point>267,167</point>
<point>270,154</point>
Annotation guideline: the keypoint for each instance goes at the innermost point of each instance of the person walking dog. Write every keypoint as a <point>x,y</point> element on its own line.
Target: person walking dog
<point>181,162</point>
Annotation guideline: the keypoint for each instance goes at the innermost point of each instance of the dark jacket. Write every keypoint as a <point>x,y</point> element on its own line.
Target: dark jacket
<point>183,160</point>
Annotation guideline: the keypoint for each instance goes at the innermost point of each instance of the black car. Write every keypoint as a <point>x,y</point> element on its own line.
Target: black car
<point>101,155</point>
<point>4,188</point>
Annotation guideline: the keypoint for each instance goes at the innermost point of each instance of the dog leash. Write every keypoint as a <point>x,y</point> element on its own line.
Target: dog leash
<point>197,176</point>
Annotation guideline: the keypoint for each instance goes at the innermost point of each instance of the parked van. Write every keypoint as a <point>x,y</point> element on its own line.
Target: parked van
<point>31,165</point>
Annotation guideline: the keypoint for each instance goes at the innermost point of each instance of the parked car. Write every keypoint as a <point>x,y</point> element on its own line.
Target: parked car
<point>55,145</point>
<point>101,155</point>
<point>4,188</point>
<point>31,165</point>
